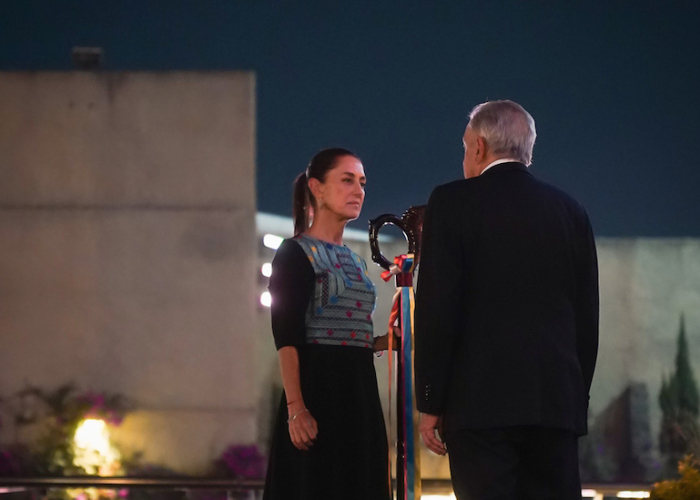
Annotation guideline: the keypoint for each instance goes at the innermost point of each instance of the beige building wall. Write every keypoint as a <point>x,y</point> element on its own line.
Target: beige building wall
<point>645,286</point>
<point>127,221</point>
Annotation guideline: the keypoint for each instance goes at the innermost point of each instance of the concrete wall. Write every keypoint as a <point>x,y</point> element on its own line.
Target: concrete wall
<point>127,207</point>
<point>645,286</point>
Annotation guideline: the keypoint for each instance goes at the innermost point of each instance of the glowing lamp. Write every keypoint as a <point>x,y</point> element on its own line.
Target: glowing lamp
<point>93,450</point>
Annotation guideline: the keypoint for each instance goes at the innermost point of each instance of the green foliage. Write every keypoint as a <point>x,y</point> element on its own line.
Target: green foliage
<point>687,487</point>
<point>687,389</point>
<point>680,405</point>
<point>668,396</point>
<point>680,392</point>
<point>678,436</point>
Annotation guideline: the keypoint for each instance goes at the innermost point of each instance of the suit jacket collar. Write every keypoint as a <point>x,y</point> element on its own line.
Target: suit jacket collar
<point>506,167</point>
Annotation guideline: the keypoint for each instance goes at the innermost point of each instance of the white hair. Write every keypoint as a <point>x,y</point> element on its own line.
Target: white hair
<point>508,129</point>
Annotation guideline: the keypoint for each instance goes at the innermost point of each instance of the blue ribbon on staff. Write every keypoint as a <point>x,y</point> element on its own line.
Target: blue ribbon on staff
<point>403,308</point>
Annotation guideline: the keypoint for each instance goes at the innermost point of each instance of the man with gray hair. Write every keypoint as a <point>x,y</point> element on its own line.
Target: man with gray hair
<point>506,323</point>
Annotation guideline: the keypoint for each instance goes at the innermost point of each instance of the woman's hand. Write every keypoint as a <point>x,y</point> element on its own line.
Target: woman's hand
<point>382,343</point>
<point>302,426</point>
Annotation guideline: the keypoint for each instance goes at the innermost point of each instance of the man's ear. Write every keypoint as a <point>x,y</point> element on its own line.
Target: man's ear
<point>481,149</point>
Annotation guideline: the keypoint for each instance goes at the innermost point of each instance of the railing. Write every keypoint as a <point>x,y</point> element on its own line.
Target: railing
<point>247,489</point>
<point>131,482</point>
<point>252,488</point>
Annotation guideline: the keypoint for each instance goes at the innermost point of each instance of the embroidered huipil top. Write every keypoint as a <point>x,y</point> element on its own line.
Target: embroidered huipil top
<point>321,294</point>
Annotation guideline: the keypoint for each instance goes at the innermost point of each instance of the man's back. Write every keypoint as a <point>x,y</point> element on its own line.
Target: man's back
<point>507,276</point>
<point>506,319</point>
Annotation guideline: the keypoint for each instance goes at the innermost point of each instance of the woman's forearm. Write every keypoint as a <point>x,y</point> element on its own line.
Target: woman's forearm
<point>289,367</point>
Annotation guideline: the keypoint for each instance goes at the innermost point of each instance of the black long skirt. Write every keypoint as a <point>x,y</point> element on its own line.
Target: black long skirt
<point>349,460</point>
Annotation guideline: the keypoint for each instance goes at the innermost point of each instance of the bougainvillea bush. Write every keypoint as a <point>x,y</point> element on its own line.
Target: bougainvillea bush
<point>243,462</point>
<point>56,414</point>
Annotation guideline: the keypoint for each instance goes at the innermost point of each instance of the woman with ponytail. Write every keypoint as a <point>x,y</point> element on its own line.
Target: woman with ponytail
<point>329,441</point>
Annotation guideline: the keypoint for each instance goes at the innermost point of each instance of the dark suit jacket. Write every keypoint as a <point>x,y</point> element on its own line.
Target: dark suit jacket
<point>506,319</point>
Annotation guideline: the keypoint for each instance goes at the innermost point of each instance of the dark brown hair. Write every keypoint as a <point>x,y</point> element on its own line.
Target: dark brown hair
<point>323,162</point>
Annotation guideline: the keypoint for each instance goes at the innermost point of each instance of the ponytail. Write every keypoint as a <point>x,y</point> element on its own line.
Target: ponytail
<point>300,204</point>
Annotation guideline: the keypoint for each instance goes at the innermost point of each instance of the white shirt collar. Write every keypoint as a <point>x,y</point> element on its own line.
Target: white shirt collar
<point>498,162</point>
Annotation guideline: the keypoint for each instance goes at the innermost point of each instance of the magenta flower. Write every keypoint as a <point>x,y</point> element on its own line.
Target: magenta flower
<point>244,461</point>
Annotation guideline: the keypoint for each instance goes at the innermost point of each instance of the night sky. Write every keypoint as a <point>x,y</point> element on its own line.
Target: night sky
<point>614,87</point>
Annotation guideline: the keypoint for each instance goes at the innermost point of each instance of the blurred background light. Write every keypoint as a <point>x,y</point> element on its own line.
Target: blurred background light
<point>93,450</point>
<point>272,241</point>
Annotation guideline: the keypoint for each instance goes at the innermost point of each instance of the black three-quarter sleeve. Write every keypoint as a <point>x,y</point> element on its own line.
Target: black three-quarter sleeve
<point>291,287</point>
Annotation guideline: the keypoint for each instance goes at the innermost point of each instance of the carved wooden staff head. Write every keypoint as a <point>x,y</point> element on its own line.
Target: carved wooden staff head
<point>411,223</point>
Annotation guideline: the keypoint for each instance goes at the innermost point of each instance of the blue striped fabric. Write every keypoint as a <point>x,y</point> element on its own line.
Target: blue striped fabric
<point>340,312</point>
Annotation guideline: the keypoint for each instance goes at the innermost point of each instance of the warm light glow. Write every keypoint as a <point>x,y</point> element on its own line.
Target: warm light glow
<point>272,241</point>
<point>267,269</point>
<point>633,494</point>
<point>585,493</point>
<point>266,299</point>
<point>93,451</point>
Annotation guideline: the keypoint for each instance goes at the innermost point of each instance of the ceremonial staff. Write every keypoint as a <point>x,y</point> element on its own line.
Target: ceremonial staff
<point>408,484</point>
